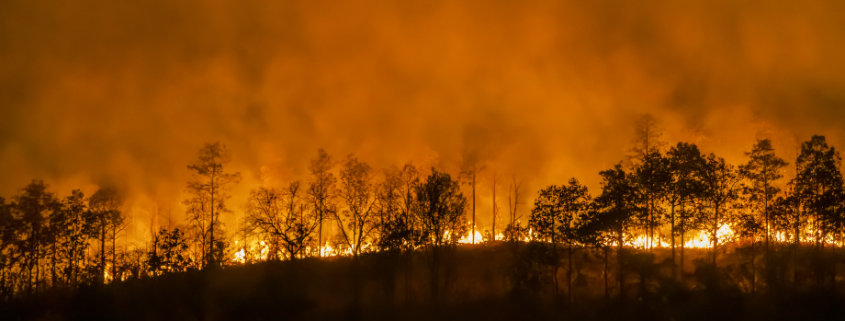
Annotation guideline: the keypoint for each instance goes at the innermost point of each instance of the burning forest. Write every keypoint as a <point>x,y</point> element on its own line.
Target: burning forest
<point>548,160</point>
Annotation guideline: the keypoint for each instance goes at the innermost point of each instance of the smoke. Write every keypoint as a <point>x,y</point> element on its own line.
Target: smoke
<point>103,93</point>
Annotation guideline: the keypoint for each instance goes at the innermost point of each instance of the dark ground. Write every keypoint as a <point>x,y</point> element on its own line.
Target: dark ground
<point>485,282</point>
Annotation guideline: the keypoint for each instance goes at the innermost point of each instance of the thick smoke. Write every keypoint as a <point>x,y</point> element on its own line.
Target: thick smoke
<point>118,93</point>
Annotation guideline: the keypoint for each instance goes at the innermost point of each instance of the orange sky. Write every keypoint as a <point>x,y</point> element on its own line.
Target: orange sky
<point>96,93</point>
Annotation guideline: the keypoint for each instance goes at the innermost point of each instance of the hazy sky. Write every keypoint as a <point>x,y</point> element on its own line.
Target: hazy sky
<point>124,93</point>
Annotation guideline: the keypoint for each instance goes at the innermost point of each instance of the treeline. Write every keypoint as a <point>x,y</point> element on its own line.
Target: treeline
<point>660,196</point>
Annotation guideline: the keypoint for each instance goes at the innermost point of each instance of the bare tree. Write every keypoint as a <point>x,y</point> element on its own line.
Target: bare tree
<point>470,167</point>
<point>358,193</point>
<point>281,215</point>
<point>209,193</point>
<point>105,206</point>
<point>322,192</point>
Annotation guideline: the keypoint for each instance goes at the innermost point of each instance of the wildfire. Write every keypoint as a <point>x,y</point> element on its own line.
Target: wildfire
<point>467,239</point>
<point>701,240</point>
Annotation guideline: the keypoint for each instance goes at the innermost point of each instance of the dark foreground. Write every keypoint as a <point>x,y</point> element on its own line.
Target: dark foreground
<point>474,283</point>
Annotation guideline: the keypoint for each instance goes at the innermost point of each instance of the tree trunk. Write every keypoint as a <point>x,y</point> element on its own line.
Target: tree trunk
<point>753,269</point>
<point>715,234</point>
<point>619,268</point>
<point>473,205</point>
<point>113,254</point>
<point>606,292</point>
<point>103,250</point>
<point>569,278</point>
<point>672,222</point>
<point>555,265</point>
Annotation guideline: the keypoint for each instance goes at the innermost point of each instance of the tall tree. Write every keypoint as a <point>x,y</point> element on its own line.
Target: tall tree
<point>644,159</point>
<point>77,225</point>
<point>209,192</point>
<point>280,215</point>
<point>762,171</point>
<point>470,167</point>
<point>818,183</point>
<point>33,205</point>
<point>596,229</point>
<point>357,191</point>
<point>553,219</point>
<point>105,206</point>
<point>322,191</point>
<point>619,203</point>
<point>654,178</point>
<point>9,230</point>
<point>392,226</point>
<point>721,183</point>
<point>685,163</point>
<point>440,208</point>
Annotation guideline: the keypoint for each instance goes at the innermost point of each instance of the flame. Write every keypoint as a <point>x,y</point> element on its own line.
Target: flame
<point>467,239</point>
<point>701,240</point>
<point>240,256</point>
<point>106,275</point>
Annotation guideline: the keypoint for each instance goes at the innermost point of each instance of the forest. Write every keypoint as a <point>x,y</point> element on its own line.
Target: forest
<point>673,233</point>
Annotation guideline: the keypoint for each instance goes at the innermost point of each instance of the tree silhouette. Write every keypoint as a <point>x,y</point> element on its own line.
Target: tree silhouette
<point>596,229</point>
<point>392,224</point>
<point>685,165</point>
<point>169,252</point>
<point>209,193</point>
<point>357,191</point>
<point>440,208</point>
<point>654,178</point>
<point>8,239</point>
<point>721,183</point>
<point>105,206</point>
<point>279,215</point>
<point>553,219</point>
<point>33,206</point>
<point>470,167</point>
<point>322,192</point>
<point>619,204</point>
<point>819,183</point>
<point>645,159</point>
<point>761,171</point>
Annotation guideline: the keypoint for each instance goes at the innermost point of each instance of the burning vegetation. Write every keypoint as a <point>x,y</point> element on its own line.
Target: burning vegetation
<point>663,214</point>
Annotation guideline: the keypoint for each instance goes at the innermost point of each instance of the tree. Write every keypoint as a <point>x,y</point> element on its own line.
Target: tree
<point>392,225</point>
<point>596,229</point>
<point>514,231</point>
<point>168,253</point>
<point>105,207</point>
<point>645,159</point>
<point>761,171</point>
<point>33,206</point>
<point>280,216</point>
<point>9,230</point>
<point>470,167</point>
<point>71,226</point>
<point>721,183</point>
<point>440,208</point>
<point>410,177</point>
<point>553,219</point>
<point>358,192</point>
<point>618,204</point>
<point>818,183</point>
<point>654,178</point>
<point>685,163</point>
<point>321,191</point>
<point>208,190</point>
